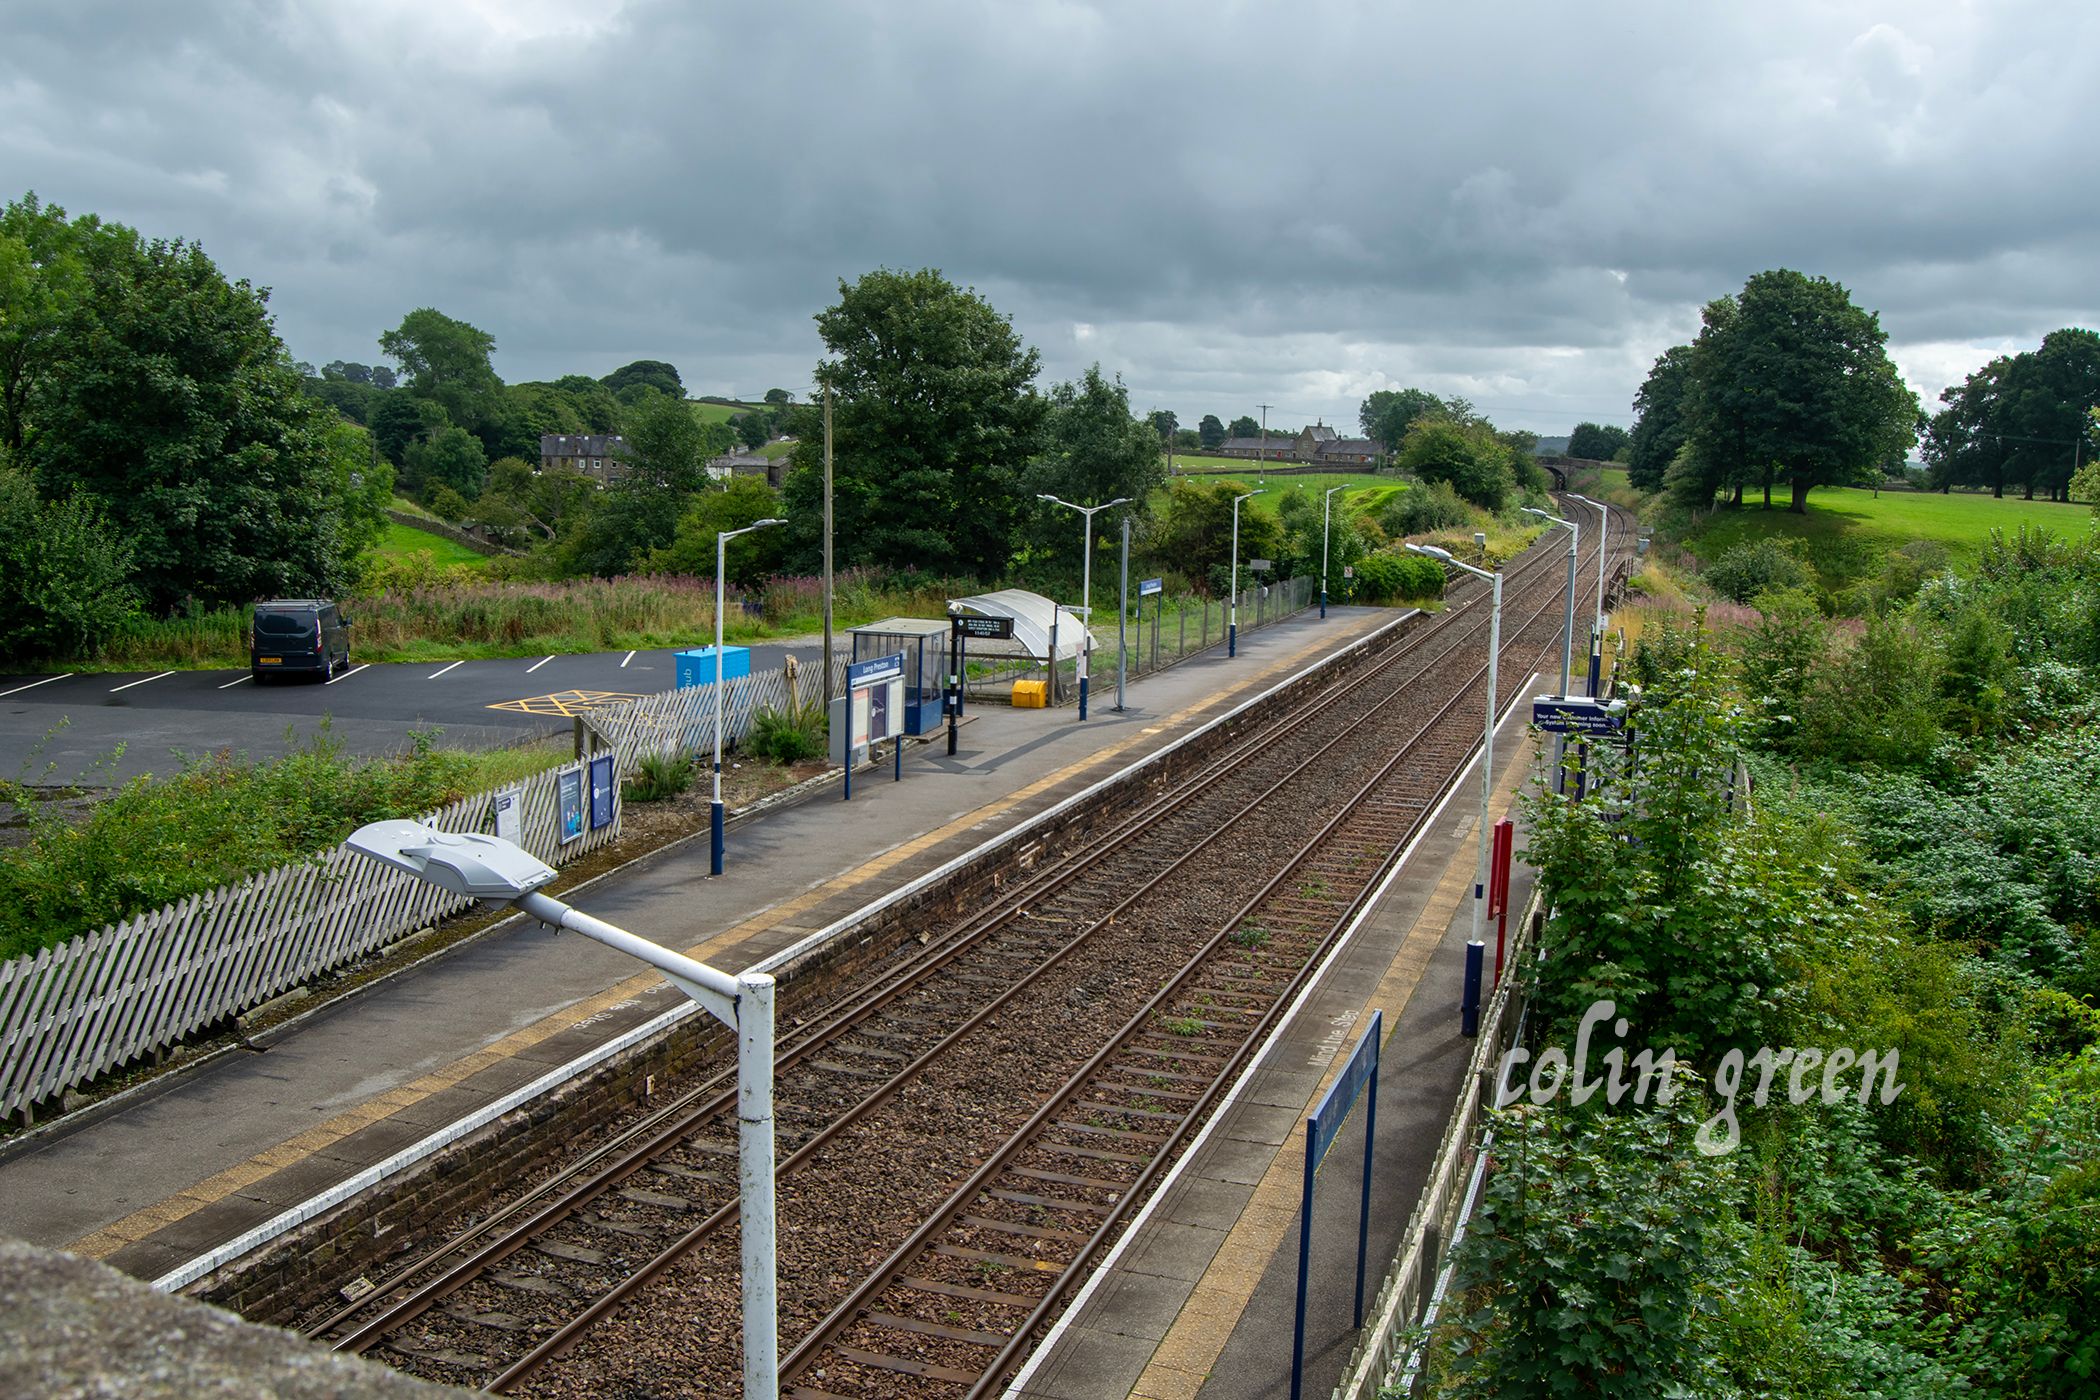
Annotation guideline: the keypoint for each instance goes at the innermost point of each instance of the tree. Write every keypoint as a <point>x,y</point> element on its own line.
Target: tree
<point>1387,415</point>
<point>67,573</point>
<point>171,402</point>
<point>655,373</point>
<point>754,428</point>
<point>447,362</point>
<point>1164,421</point>
<point>383,377</point>
<point>1195,529</point>
<point>1210,432</point>
<point>1658,423</point>
<point>348,371</point>
<point>2017,421</point>
<point>935,416</point>
<point>1476,465</point>
<point>1093,451</point>
<point>450,458</point>
<point>667,452</point>
<point>1790,379</point>
<point>742,501</point>
<point>1596,442</point>
<point>44,259</point>
<point>779,398</point>
<point>1244,426</point>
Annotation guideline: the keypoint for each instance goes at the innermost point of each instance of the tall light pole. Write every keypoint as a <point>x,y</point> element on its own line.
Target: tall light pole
<point>827,548</point>
<point>494,870</point>
<point>1261,447</point>
<point>1567,636</point>
<point>714,811</point>
<point>1326,511</point>
<point>1597,626</point>
<point>1086,587</point>
<point>1232,619</point>
<point>1487,743</point>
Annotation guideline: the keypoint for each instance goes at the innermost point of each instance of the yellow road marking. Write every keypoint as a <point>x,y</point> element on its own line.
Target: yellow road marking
<point>565,704</point>
<point>102,1243</point>
<point>1189,1351</point>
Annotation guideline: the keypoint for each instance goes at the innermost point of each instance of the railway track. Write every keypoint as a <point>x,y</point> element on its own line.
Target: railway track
<point>1050,1055</point>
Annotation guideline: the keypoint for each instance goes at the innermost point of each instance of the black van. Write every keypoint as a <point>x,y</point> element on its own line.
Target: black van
<point>309,635</point>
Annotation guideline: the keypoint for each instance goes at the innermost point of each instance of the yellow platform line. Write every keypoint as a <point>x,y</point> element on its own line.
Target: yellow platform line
<point>140,1224</point>
<point>1186,1355</point>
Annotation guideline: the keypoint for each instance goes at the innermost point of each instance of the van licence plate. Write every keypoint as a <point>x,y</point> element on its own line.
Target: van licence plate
<point>271,660</point>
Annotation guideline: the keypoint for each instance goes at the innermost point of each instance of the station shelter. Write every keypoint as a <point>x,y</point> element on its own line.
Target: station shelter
<point>1041,627</point>
<point>924,642</point>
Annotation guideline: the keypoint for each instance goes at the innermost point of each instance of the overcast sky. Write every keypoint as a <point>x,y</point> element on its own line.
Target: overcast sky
<point>1227,203</point>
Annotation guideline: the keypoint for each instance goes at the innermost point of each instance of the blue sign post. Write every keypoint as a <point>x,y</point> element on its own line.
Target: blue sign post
<point>603,791</point>
<point>1320,1132</point>
<point>874,676</point>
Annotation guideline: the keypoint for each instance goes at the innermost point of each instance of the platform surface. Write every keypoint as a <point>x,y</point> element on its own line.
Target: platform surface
<point>206,1154</point>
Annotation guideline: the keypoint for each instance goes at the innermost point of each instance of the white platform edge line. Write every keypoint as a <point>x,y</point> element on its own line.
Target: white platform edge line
<point>327,1200</point>
<point>1254,1066</point>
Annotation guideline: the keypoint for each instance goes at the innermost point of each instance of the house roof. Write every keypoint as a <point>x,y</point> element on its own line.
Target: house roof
<point>582,445</point>
<point>1250,444</point>
<point>1343,447</point>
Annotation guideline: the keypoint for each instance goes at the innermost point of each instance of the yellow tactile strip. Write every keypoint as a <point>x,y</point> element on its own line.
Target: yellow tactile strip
<point>140,1224</point>
<point>1185,1356</point>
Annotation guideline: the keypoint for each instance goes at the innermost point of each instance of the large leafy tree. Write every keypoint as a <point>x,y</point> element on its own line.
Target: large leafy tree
<point>667,453</point>
<point>1387,414</point>
<point>44,259</point>
<point>1476,464</point>
<point>935,416</point>
<point>1658,424</point>
<point>1596,442</point>
<point>447,362</point>
<point>1792,382</point>
<point>656,374</point>
<point>169,400</point>
<point>1244,426</point>
<point>67,571</point>
<point>1093,451</point>
<point>2018,420</point>
<point>1210,432</point>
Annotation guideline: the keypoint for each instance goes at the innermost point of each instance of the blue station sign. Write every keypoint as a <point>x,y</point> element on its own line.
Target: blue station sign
<point>874,671</point>
<point>1577,714</point>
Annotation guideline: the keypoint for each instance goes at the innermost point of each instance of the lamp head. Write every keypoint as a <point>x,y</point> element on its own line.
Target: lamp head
<point>465,863</point>
<point>1431,550</point>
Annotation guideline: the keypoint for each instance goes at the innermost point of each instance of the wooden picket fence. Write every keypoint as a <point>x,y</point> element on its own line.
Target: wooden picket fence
<point>103,1000</point>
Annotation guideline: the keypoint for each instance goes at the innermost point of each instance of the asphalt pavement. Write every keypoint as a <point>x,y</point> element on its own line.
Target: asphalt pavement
<point>99,728</point>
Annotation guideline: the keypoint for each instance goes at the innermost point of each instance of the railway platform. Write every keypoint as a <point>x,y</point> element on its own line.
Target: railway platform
<point>1198,1299</point>
<point>197,1159</point>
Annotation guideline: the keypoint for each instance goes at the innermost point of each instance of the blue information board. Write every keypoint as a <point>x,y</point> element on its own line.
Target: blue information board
<point>602,791</point>
<point>1150,586</point>
<point>568,802</point>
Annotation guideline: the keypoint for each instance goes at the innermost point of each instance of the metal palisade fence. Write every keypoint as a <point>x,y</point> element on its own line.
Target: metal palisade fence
<point>95,1003</point>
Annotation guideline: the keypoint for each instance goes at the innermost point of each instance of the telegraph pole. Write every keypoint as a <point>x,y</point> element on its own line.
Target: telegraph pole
<point>1261,447</point>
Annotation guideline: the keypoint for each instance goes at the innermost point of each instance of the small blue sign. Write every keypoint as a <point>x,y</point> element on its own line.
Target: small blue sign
<point>1334,1106</point>
<point>602,791</point>
<point>568,802</point>
<point>874,671</point>
<point>1151,586</point>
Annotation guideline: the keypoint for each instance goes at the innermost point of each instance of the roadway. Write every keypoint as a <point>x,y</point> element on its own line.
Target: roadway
<point>61,728</point>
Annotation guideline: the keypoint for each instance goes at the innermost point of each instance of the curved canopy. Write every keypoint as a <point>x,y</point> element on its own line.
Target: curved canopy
<point>1032,614</point>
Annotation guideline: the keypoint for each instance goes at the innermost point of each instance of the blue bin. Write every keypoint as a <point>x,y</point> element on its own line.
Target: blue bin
<point>697,666</point>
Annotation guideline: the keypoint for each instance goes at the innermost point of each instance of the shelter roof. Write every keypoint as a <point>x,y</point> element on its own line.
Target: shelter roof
<point>1032,614</point>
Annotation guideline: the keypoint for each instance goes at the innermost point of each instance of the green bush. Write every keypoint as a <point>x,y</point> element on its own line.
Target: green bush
<point>65,572</point>
<point>658,776</point>
<point>1766,565</point>
<point>790,735</point>
<point>1430,507</point>
<point>1390,577</point>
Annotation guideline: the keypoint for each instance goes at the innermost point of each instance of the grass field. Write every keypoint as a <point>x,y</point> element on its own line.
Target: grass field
<point>715,412</point>
<point>1852,521</point>
<point>1371,490</point>
<point>400,541</point>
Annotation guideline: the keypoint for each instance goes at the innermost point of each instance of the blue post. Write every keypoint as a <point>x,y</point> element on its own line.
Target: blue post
<point>1323,606</point>
<point>1312,1165</point>
<point>1596,665</point>
<point>714,826</point>
<point>1363,1214</point>
<point>900,758</point>
<point>849,746</point>
<point>1082,694</point>
<point>1232,640</point>
<point>1469,1010</point>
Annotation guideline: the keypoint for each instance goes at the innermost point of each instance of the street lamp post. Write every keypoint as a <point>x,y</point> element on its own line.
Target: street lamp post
<point>1086,587</point>
<point>1232,619</point>
<point>714,810</point>
<point>1326,512</point>
<point>1597,626</point>
<point>1487,743</point>
<point>1567,635</point>
<point>493,870</point>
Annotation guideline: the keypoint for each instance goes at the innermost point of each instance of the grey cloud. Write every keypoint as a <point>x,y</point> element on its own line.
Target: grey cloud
<point>1280,202</point>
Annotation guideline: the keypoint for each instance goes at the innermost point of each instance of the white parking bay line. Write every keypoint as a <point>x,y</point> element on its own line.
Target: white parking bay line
<point>623,663</point>
<point>537,664</point>
<point>349,673</point>
<point>232,683</point>
<point>129,684</point>
<point>453,667</point>
<point>34,684</point>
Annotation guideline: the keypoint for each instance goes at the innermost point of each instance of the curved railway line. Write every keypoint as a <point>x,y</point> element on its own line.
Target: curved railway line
<point>959,1139</point>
